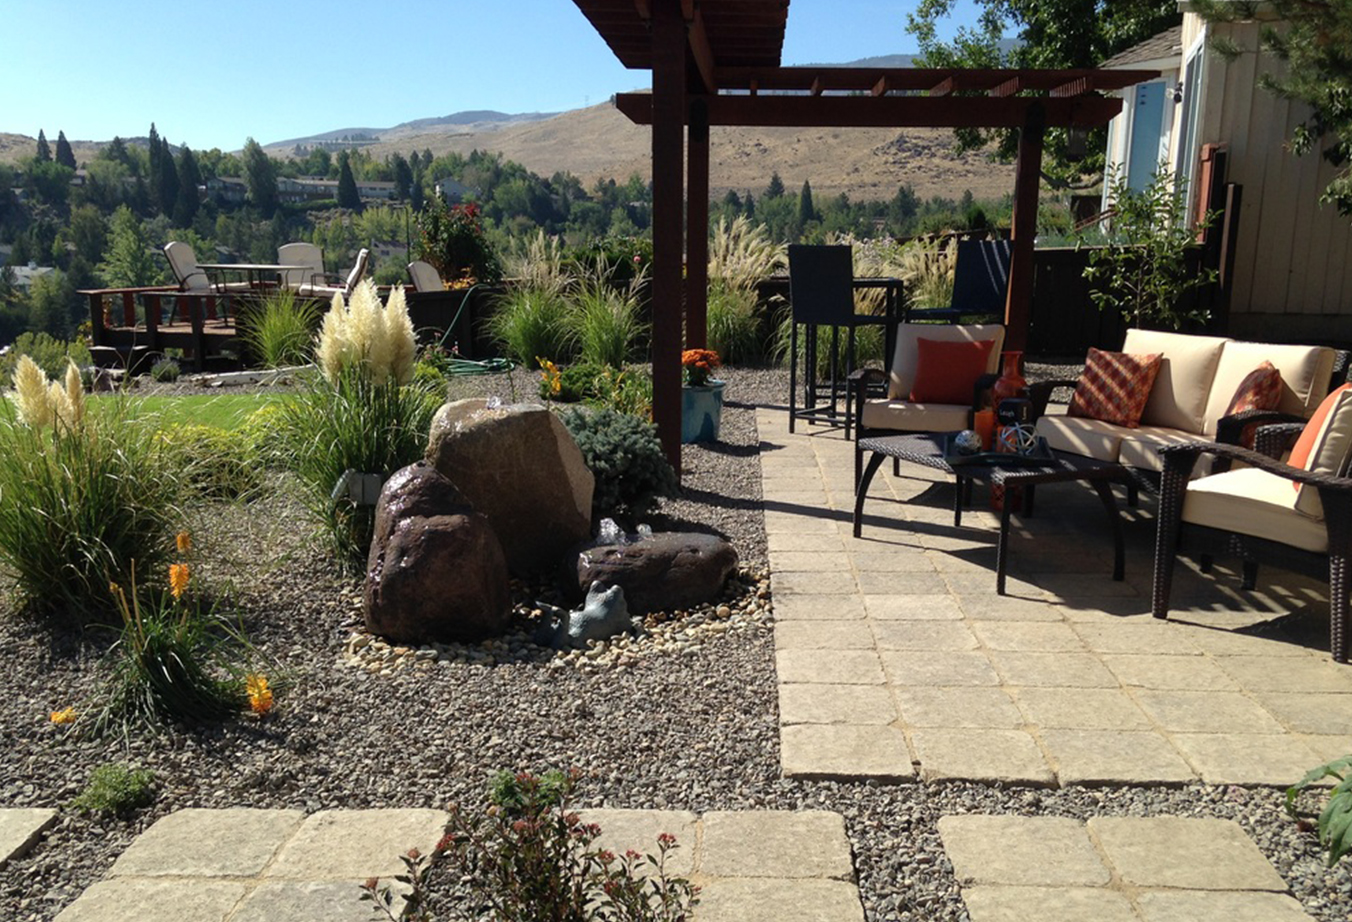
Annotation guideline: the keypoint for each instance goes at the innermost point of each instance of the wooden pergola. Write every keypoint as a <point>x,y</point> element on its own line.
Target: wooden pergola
<point>716,62</point>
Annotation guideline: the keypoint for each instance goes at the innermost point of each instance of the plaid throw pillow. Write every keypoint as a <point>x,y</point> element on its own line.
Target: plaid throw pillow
<point>1115,386</point>
<point>1261,389</point>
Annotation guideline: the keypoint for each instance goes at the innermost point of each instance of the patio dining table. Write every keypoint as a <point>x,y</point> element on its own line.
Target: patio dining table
<point>257,276</point>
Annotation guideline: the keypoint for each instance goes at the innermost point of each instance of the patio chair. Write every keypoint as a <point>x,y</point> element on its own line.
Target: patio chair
<point>980,282</point>
<point>821,294</point>
<point>934,383</point>
<point>424,277</point>
<point>312,290</point>
<point>1294,515</point>
<point>183,263</point>
<point>301,254</point>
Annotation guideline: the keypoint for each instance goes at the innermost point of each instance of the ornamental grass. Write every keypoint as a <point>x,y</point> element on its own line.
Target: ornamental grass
<point>81,495</point>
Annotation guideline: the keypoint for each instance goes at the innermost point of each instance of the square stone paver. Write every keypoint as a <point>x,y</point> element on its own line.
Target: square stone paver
<point>829,667</point>
<point>823,635</point>
<point>622,830</point>
<point>1044,904</point>
<point>991,607</point>
<point>1247,758</point>
<point>188,843</point>
<point>1008,756</point>
<point>1138,637</point>
<point>1053,670</point>
<point>127,899</point>
<point>1114,757</point>
<point>958,708</point>
<point>1310,712</point>
<point>913,582</point>
<point>1196,905</point>
<point>923,635</point>
<point>1081,708</point>
<point>312,900</point>
<point>823,752</point>
<point>1042,851</point>
<point>896,560</point>
<point>780,844</point>
<point>20,829</point>
<point>356,844</point>
<point>836,704</point>
<point>1284,674</point>
<point>771,900</point>
<point>1206,712</point>
<point>1156,671</point>
<point>1028,636</point>
<point>809,583</point>
<point>933,668</point>
<point>1184,853</point>
<point>919,607</point>
<point>804,607</point>
<point>810,561</point>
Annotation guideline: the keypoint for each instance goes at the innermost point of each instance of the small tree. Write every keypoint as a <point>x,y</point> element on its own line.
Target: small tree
<point>44,153</point>
<point>64,155</point>
<point>1143,274</point>
<point>806,211</point>
<point>776,187</point>
<point>129,263</point>
<point>261,176</point>
<point>348,197</point>
<point>189,176</point>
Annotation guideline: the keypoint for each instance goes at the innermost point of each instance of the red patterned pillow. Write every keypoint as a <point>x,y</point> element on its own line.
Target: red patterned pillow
<point>1261,389</point>
<point>1115,386</point>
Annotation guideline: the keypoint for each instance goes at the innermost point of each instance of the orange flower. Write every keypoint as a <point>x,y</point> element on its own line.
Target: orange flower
<point>260,695</point>
<point>178,579</point>
<point>183,541</point>
<point>699,364</point>
<point>63,716</point>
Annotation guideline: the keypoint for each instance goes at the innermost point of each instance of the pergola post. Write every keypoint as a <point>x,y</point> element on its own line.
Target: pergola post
<point>1027,179</point>
<point>668,112</point>
<point>697,228</point>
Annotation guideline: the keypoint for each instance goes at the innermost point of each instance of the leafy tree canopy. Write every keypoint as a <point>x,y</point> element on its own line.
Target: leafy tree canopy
<point>1050,34</point>
<point>1314,39</point>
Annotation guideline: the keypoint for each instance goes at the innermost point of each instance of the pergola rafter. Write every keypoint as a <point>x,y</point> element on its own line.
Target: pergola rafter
<point>716,63</point>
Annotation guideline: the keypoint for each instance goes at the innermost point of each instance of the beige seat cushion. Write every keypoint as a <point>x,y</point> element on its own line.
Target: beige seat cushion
<point>1253,502</point>
<point>1140,447</point>
<point>1178,399</point>
<point>902,372</point>
<point>1079,435</point>
<point>1305,376</point>
<point>914,417</point>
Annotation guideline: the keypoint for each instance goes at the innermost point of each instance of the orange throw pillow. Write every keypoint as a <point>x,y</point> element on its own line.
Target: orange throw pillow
<point>1115,386</point>
<point>1300,454</point>
<point>946,372</point>
<point>1261,389</point>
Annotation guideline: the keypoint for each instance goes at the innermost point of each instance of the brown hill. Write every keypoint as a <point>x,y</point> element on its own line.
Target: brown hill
<point>865,163</point>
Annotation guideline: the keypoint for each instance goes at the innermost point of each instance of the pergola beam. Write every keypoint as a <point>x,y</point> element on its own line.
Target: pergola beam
<point>702,53</point>
<point>887,111</point>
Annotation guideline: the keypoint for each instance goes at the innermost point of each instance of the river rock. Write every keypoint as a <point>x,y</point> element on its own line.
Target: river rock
<point>520,467</point>
<point>436,571</point>
<point>669,570</point>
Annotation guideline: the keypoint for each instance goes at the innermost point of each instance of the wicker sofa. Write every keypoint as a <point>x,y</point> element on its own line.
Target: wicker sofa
<point>1191,393</point>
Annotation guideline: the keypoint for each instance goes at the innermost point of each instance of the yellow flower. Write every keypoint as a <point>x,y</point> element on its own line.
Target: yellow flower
<point>178,579</point>
<point>183,541</point>
<point>63,716</point>
<point>260,695</point>
<point>550,374</point>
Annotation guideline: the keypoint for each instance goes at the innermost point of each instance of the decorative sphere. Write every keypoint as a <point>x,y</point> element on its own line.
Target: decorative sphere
<point>967,442</point>
<point>1018,439</point>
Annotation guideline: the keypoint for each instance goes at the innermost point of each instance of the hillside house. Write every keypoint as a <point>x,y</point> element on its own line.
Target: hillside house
<point>1292,257</point>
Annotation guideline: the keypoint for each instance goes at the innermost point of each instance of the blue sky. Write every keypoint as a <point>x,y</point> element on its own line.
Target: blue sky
<point>211,75</point>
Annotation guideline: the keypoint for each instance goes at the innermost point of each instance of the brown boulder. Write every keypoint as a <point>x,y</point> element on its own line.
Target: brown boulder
<point>520,467</point>
<point>436,570</point>
<point>667,571</point>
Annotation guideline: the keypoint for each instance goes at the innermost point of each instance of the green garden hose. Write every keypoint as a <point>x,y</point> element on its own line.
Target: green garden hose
<point>469,366</point>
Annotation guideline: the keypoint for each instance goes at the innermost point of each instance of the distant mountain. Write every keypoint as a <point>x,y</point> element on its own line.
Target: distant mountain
<point>473,119</point>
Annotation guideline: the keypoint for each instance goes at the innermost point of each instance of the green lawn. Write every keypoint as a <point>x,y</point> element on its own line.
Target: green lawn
<point>224,411</point>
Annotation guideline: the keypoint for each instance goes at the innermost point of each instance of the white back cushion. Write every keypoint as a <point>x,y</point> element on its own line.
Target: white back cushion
<point>1305,376</point>
<point>1178,399</point>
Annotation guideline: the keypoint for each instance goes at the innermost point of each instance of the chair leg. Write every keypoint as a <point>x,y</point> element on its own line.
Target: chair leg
<point>1173,488</point>
<point>896,467</point>
<point>1250,577</point>
<point>1205,562</point>
<point>1337,511</point>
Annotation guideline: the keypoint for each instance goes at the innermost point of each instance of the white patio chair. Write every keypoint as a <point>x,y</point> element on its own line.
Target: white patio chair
<point>301,254</point>
<point>424,277</point>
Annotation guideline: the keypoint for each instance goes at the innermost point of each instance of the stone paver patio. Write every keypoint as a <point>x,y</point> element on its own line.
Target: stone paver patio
<point>896,658</point>
<point>1113,869</point>
<point>20,829</point>
<point>248,865</point>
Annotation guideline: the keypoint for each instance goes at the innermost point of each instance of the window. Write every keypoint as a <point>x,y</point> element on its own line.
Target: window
<point>1185,170</point>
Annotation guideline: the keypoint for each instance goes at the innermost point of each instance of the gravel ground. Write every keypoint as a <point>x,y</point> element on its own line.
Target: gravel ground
<point>692,731</point>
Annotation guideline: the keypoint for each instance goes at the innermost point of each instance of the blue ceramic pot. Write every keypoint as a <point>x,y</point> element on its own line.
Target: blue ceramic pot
<point>701,410</point>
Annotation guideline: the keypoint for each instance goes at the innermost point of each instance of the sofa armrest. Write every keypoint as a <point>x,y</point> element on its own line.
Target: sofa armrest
<point>860,382</point>
<point>1040,393</point>
<point>1229,429</point>
<point>1274,440</point>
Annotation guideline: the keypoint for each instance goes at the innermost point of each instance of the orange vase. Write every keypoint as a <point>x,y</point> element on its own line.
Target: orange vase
<point>1011,382</point>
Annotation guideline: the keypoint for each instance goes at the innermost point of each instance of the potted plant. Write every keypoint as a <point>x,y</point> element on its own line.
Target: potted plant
<point>701,396</point>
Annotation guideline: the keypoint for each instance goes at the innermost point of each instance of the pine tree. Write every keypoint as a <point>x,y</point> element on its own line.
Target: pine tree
<point>806,212</point>
<point>189,176</point>
<point>348,197</point>
<point>403,176</point>
<point>776,187</point>
<point>44,152</point>
<point>64,155</point>
<point>128,263</point>
<point>166,180</point>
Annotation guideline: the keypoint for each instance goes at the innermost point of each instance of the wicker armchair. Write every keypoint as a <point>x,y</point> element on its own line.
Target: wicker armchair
<point>1249,512</point>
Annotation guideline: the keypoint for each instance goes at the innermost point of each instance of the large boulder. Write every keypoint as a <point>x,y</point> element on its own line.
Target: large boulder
<point>436,570</point>
<point>666,571</point>
<point>520,467</point>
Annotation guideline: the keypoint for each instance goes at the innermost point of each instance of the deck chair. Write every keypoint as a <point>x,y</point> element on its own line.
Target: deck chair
<point>981,278</point>
<point>301,254</point>
<point>424,277</point>
<point>312,290</point>
<point>183,263</point>
<point>821,294</point>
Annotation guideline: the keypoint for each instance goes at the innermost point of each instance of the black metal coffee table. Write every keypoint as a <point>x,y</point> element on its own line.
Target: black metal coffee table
<point>929,450</point>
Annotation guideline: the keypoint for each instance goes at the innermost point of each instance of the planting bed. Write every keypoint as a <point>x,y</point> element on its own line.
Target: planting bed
<point>693,729</point>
